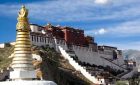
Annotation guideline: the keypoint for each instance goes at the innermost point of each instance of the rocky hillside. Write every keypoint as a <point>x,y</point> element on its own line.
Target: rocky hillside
<point>4,54</point>
<point>52,67</point>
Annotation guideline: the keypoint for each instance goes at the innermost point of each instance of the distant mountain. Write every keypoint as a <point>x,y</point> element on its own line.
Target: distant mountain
<point>131,54</point>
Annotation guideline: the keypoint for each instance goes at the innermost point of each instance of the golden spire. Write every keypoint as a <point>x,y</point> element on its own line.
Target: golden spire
<point>23,12</point>
<point>23,19</point>
<point>22,62</point>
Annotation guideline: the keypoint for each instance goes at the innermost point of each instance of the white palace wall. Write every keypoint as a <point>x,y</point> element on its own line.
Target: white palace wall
<point>41,41</point>
<point>120,60</point>
<point>2,45</point>
<point>51,41</point>
<point>84,54</point>
<point>87,55</point>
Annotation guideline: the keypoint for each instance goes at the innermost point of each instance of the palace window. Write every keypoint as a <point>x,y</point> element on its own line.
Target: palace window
<point>45,39</point>
<point>32,37</point>
<point>40,39</point>
<point>37,38</point>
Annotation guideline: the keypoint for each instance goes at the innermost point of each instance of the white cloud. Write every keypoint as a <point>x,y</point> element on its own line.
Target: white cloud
<point>125,29</point>
<point>100,31</point>
<point>77,10</point>
<point>101,1</point>
<point>124,35</point>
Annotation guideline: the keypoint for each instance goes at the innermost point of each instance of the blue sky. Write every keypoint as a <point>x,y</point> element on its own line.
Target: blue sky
<point>111,22</point>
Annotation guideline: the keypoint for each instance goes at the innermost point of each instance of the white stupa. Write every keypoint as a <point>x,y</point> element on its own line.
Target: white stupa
<point>23,72</point>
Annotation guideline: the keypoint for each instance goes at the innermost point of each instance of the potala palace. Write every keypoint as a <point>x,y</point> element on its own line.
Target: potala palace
<point>75,43</point>
<point>80,49</point>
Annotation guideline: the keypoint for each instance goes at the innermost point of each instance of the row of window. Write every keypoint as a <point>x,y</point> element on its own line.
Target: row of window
<point>45,39</point>
<point>60,42</point>
<point>40,39</point>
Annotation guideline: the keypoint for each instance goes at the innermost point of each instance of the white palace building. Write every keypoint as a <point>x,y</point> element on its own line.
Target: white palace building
<point>93,54</point>
<point>72,42</point>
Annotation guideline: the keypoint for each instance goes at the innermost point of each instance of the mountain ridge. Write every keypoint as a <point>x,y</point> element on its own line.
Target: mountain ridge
<point>131,54</point>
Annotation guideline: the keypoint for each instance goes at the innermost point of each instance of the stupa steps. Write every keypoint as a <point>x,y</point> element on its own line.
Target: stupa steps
<point>22,52</point>
<point>22,46</point>
<point>22,55</point>
<point>22,58</point>
<point>22,65</point>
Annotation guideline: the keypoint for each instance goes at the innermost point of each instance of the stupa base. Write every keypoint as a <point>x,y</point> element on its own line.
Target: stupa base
<point>22,75</point>
<point>33,82</point>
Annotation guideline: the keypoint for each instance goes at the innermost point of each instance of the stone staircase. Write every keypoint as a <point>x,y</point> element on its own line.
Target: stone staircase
<point>69,56</point>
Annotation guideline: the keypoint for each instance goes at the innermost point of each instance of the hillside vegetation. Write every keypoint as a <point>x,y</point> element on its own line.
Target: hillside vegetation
<point>4,54</point>
<point>53,66</point>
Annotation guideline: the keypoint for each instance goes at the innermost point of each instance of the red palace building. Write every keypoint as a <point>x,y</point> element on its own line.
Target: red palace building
<point>70,35</point>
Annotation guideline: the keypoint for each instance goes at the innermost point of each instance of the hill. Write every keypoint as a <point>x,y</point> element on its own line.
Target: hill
<point>52,67</point>
<point>4,54</point>
<point>55,67</point>
<point>131,54</point>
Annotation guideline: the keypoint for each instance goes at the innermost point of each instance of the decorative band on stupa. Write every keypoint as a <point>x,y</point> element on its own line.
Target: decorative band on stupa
<point>22,61</point>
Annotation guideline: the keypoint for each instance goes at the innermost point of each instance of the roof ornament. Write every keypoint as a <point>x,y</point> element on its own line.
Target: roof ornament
<point>23,12</point>
<point>23,23</point>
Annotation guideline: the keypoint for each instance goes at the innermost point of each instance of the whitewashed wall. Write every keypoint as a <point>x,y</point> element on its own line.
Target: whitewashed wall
<point>106,54</point>
<point>36,29</point>
<point>52,42</point>
<point>119,61</point>
<point>2,45</point>
<point>86,55</point>
<point>49,41</point>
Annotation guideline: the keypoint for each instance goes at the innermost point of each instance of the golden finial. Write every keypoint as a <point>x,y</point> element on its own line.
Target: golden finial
<point>23,19</point>
<point>23,12</point>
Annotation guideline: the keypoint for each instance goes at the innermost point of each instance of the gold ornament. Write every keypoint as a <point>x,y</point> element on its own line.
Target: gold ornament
<point>23,12</point>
